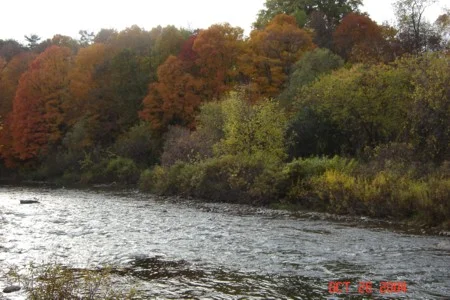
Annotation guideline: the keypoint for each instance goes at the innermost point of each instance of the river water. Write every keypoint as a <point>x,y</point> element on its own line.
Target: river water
<point>188,249</point>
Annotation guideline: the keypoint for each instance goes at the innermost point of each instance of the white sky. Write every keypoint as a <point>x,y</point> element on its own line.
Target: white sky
<point>49,17</point>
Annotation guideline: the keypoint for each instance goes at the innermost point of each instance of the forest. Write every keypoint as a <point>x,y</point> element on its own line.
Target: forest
<point>320,108</point>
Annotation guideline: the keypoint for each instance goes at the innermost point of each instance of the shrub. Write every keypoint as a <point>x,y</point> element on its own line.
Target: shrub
<point>337,190</point>
<point>154,180</point>
<point>227,178</point>
<point>146,181</point>
<point>138,144</point>
<point>54,281</point>
<point>299,173</point>
<point>123,170</point>
<point>253,131</point>
<point>181,145</point>
<point>93,167</point>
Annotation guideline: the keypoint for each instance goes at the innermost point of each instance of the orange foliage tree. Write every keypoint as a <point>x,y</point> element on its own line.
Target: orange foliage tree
<point>205,69</point>
<point>174,99</point>
<point>271,53</point>
<point>218,48</point>
<point>9,79</point>
<point>359,39</point>
<point>36,121</point>
<point>82,81</point>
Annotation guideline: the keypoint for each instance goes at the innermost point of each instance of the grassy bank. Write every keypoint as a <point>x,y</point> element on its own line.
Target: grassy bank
<point>335,185</point>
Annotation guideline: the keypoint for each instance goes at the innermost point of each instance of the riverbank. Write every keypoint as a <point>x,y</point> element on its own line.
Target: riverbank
<point>337,185</point>
<point>278,208</point>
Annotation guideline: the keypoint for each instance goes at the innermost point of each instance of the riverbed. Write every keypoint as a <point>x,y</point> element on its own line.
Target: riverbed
<point>172,248</point>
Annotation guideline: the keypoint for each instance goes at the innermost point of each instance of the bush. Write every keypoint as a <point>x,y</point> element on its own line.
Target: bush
<point>54,281</point>
<point>299,173</point>
<point>181,145</point>
<point>123,170</point>
<point>139,145</point>
<point>93,167</point>
<point>256,131</point>
<point>146,181</point>
<point>227,178</point>
<point>385,195</point>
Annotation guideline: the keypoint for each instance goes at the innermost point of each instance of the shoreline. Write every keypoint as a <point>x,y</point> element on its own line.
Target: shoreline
<point>406,226</point>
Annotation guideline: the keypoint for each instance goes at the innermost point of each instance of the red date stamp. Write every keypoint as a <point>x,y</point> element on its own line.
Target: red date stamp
<point>367,287</point>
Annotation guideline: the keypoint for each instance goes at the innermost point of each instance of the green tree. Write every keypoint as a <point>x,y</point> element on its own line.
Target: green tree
<point>256,131</point>
<point>86,38</point>
<point>428,126</point>
<point>361,106</point>
<point>33,40</point>
<point>309,68</point>
<point>442,25</point>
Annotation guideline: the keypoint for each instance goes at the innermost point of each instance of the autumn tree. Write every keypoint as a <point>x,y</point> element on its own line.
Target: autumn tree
<point>428,128</point>
<point>133,37</point>
<point>2,87</point>
<point>218,49</point>
<point>322,16</point>
<point>359,39</point>
<point>65,41</point>
<point>105,36</point>
<point>108,82</point>
<point>9,79</point>
<point>37,120</point>
<point>10,48</point>
<point>256,131</point>
<point>174,99</point>
<point>84,84</point>
<point>271,54</point>
<point>351,109</point>
<point>204,70</point>
<point>187,53</point>
<point>166,41</point>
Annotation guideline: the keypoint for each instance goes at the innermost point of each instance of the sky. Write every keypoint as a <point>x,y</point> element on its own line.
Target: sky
<point>49,17</point>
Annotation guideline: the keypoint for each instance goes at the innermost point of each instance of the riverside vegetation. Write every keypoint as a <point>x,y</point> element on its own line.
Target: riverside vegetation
<point>349,117</point>
<point>54,281</point>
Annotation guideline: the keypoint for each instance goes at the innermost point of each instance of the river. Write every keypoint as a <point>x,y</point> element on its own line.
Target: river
<point>189,249</point>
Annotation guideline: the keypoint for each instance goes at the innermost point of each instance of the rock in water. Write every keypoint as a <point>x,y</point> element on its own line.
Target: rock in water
<point>28,201</point>
<point>11,289</point>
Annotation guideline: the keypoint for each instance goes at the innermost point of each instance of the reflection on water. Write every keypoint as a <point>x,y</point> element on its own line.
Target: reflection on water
<point>197,250</point>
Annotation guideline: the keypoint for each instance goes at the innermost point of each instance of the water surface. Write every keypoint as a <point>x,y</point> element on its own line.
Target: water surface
<point>173,249</point>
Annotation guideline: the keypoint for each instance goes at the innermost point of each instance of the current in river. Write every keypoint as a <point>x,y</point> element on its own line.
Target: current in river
<point>172,248</point>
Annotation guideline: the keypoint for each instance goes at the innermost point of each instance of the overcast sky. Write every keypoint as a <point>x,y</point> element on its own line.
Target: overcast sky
<point>49,17</point>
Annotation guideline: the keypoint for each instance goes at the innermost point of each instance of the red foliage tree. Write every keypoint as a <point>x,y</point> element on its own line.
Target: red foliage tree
<point>37,119</point>
<point>359,39</point>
